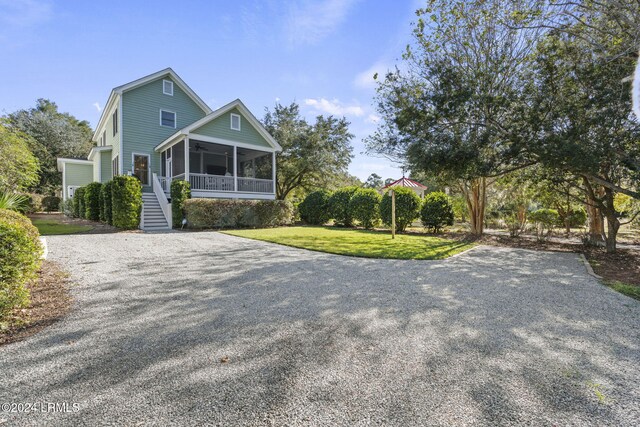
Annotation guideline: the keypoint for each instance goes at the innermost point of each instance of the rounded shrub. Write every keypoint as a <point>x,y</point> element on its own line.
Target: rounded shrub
<point>407,207</point>
<point>92,201</point>
<point>51,203</point>
<point>437,211</point>
<point>78,203</point>
<point>544,220</point>
<point>314,209</point>
<point>126,193</point>
<point>180,191</point>
<point>364,207</point>
<point>107,198</point>
<point>20,256</point>
<point>216,213</point>
<point>578,217</point>
<point>339,206</point>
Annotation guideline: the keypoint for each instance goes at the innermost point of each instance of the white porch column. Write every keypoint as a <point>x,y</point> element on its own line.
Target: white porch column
<point>235,168</point>
<point>273,171</point>
<point>186,160</point>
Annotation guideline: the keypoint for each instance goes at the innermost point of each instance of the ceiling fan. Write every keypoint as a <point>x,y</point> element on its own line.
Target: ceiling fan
<point>199,147</point>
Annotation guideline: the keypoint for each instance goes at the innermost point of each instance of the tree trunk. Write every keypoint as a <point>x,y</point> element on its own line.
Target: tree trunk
<point>596,223</point>
<point>476,194</point>
<point>613,223</point>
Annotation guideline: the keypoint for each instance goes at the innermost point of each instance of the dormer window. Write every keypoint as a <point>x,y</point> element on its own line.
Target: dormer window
<point>167,87</point>
<point>235,121</point>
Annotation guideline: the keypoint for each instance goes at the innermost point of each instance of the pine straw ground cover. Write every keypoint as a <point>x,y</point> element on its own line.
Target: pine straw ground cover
<point>50,302</point>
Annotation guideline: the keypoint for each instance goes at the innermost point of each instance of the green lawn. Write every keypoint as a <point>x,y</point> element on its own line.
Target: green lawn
<point>624,288</point>
<point>360,243</point>
<point>48,227</point>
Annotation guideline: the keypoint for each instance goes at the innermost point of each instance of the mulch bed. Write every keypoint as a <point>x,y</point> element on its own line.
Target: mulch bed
<point>50,302</point>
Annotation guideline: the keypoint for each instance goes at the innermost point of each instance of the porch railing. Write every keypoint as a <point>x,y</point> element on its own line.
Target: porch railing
<point>205,182</point>
<point>201,181</point>
<point>254,185</point>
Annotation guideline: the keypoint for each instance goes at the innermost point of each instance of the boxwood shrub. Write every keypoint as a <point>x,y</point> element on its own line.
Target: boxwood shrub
<point>78,203</point>
<point>407,207</point>
<point>20,252</point>
<point>180,191</point>
<point>339,206</point>
<point>216,213</point>
<point>107,198</point>
<point>437,211</point>
<point>314,209</point>
<point>126,205</point>
<point>92,201</point>
<point>364,207</point>
<point>51,203</point>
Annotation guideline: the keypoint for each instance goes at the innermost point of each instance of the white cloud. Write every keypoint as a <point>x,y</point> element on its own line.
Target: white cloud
<point>97,105</point>
<point>20,17</point>
<point>372,118</point>
<point>334,107</point>
<point>277,99</point>
<point>365,79</point>
<point>312,21</point>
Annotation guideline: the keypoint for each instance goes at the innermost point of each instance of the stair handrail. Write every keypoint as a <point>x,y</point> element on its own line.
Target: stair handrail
<point>162,199</point>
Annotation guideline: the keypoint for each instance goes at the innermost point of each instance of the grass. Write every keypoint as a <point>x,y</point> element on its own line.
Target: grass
<point>359,243</point>
<point>48,227</point>
<point>624,288</point>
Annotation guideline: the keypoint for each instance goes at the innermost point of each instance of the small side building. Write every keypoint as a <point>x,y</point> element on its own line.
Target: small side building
<point>418,188</point>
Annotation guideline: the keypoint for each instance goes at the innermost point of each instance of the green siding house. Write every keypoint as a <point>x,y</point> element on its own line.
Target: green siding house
<point>157,129</point>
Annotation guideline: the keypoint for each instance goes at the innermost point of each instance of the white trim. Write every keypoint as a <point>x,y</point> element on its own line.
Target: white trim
<point>186,159</point>
<point>231,195</point>
<point>62,160</point>
<point>273,171</point>
<point>97,149</point>
<point>106,113</point>
<point>121,152</point>
<point>99,170</point>
<point>175,118</point>
<point>133,166</point>
<point>235,169</point>
<point>164,92</point>
<point>231,117</point>
<point>64,183</point>
<point>219,112</point>
<point>178,137</point>
<point>163,73</point>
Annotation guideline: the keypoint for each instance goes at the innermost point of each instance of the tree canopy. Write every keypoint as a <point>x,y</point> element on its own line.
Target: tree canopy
<point>53,134</point>
<point>313,155</point>
<point>18,167</point>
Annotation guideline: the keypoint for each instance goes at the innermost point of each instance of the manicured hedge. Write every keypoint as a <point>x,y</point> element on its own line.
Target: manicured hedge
<point>407,207</point>
<point>126,193</point>
<point>180,191</point>
<point>51,203</point>
<point>364,207</point>
<point>78,203</point>
<point>106,196</point>
<point>92,201</point>
<point>437,211</point>
<point>314,209</point>
<point>339,206</point>
<point>216,213</point>
<point>20,252</point>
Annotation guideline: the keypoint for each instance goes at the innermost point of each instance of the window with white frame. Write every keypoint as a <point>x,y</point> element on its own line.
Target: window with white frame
<point>235,121</point>
<point>167,118</point>
<point>167,87</point>
<point>114,119</point>
<point>114,166</point>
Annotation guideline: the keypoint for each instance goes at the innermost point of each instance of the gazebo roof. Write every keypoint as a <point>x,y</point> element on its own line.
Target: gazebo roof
<point>406,182</point>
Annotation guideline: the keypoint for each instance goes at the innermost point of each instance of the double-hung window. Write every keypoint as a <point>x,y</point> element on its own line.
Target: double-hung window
<point>168,118</point>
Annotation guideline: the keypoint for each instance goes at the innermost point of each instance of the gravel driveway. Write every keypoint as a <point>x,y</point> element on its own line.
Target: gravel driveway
<point>206,329</point>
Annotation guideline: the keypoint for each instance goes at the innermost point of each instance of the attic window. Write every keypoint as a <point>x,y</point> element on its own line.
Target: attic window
<point>235,122</point>
<point>167,87</point>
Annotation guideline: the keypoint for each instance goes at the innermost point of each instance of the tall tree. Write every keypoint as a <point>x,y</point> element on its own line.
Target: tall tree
<point>53,134</point>
<point>313,155</point>
<point>453,112</point>
<point>374,181</point>
<point>18,167</point>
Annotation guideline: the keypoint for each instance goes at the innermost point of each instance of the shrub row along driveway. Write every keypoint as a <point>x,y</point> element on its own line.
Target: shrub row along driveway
<point>205,328</point>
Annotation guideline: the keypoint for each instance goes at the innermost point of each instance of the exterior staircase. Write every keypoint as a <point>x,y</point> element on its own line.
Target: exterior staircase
<point>152,215</point>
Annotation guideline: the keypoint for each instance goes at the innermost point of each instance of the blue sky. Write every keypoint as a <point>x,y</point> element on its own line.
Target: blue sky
<point>321,54</point>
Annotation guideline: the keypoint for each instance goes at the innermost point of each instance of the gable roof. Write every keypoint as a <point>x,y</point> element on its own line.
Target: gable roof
<point>217,113</point>
<point>406,182</point>
<point>119,90</point>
